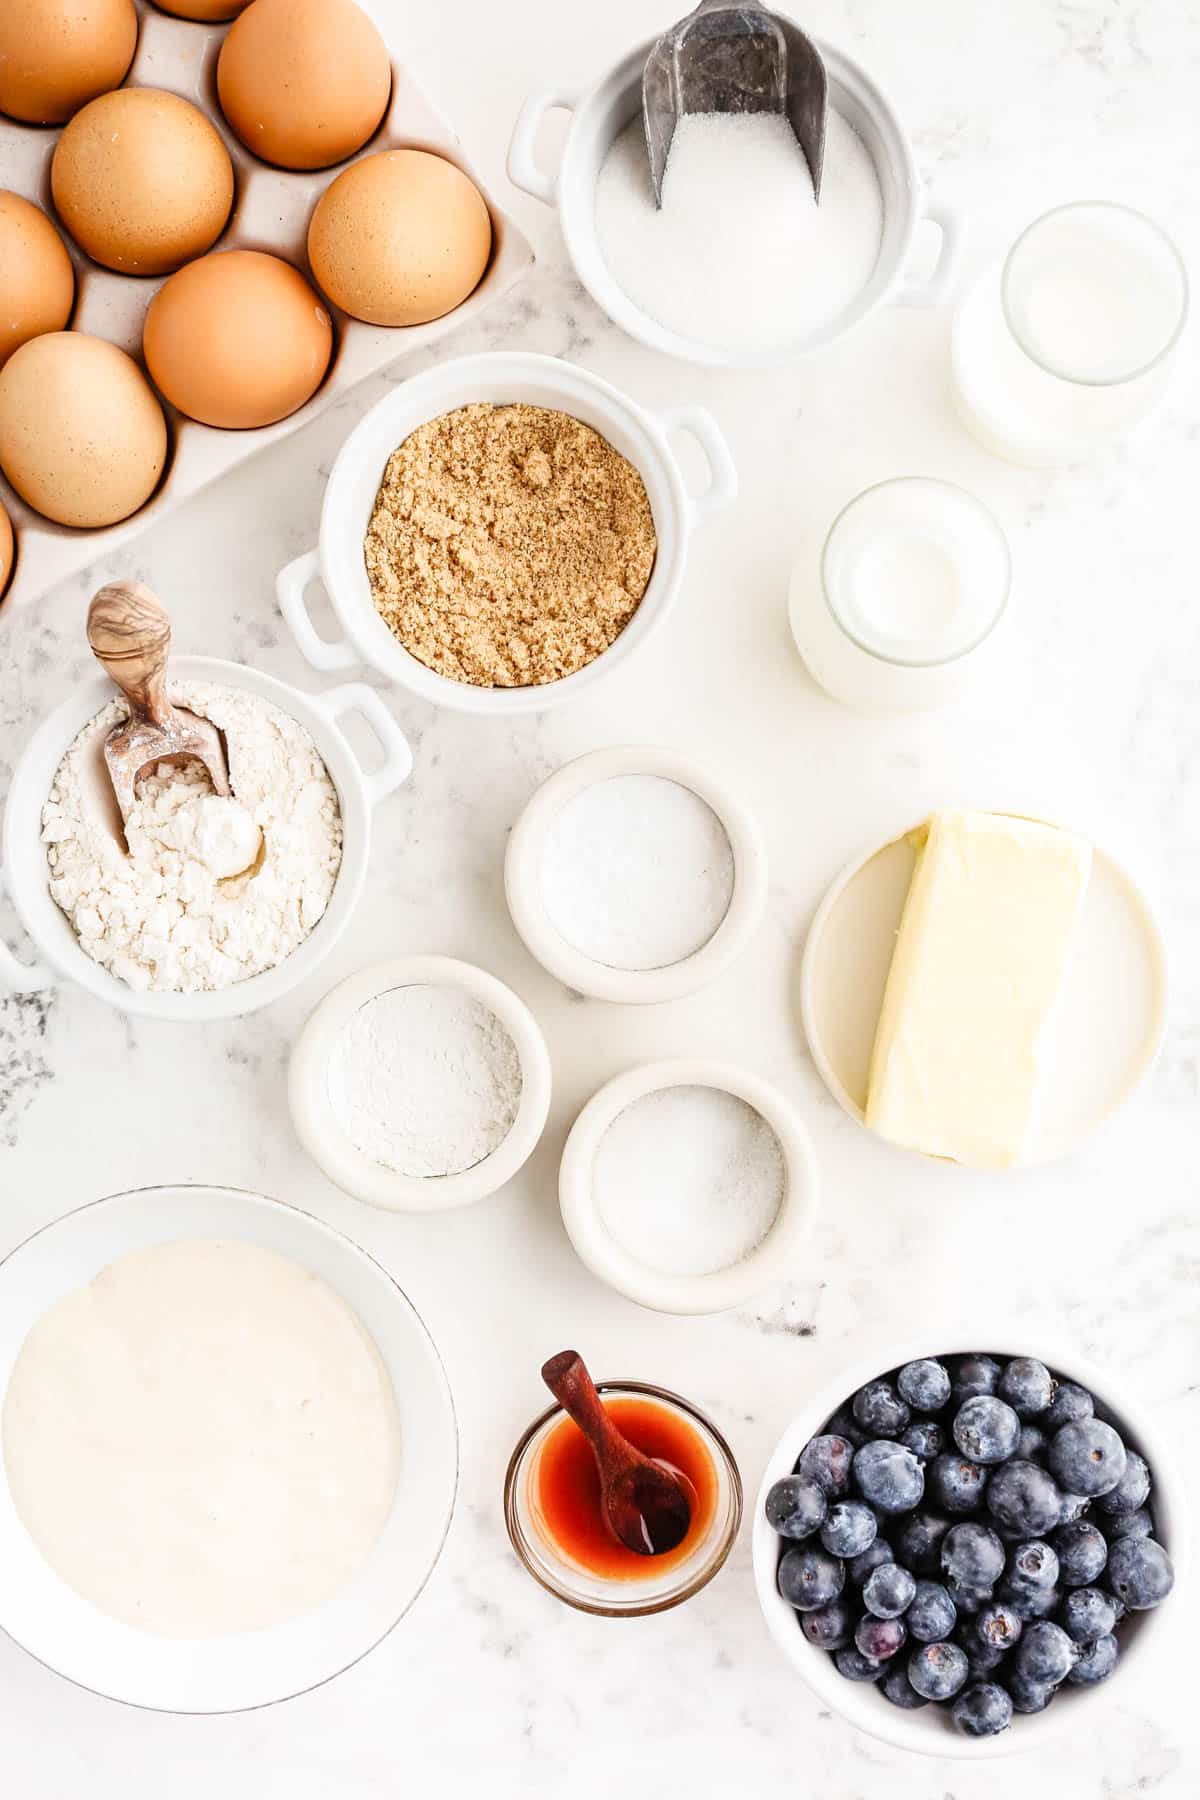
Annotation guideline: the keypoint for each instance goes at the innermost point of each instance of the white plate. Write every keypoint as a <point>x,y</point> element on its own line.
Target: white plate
<point>1106,1031</point>
<point>230,1674</point>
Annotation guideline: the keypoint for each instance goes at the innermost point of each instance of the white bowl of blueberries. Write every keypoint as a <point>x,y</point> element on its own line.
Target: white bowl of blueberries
<point>957,1552</point>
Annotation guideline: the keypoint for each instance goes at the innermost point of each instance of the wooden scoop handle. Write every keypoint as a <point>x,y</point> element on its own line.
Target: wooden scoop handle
<point>567,1378</point>
<point>130,635</point>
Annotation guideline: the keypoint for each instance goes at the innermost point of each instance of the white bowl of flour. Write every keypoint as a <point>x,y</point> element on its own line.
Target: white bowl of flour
<point>229,1449</point>
<point>599,205</point>
<point>27,875</point>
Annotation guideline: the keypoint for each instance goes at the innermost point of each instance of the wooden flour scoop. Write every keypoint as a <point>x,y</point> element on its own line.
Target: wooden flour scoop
<point>130,635</point>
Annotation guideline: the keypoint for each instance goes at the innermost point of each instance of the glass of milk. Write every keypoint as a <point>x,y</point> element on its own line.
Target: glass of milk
<point>914,578</point>
<point>1067,345</point>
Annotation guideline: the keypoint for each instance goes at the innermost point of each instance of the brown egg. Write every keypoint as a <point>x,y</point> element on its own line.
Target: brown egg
<point>304,83</point>
<point>399,238</point>
<point>37,282</point>
<point>238,339</point>
<point>82,436</point>
<point>7,556</point>
<point>142,181</point>
<point>55,54</point>
<point>207,11</point>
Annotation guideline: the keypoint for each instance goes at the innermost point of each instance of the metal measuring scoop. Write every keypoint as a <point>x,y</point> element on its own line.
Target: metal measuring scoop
<point>130,635</point>
<point>733,58</point>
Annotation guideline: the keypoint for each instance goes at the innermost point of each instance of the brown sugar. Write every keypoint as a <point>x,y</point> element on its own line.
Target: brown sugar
<point>509,545</point>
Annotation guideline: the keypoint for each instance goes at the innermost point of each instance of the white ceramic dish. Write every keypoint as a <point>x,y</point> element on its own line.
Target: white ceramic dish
<point>777,1257</point>
<point>24,855</point>
<point>270,212</point>
<point>1107,1029</point>
<point>502,377</point>
<point>542,938</point>
<point>601,113</point>
<point>317,1124</point>
<point>230,1674</point>
<point>929,1731</point>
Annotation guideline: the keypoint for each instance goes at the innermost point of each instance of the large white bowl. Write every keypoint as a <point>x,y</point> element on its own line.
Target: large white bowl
<point>26,877</point>
<point>230,1674</point>
<point>601,113</point>
<point>502,377</point>
<point>930,1730</point>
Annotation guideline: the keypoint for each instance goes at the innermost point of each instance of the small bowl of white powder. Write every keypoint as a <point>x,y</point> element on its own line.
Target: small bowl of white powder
<point>420,1084</point>
<point>634,876</point>
<point>688,1185</point>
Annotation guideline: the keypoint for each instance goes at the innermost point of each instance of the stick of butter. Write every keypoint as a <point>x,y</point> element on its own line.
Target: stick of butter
<point>979,962</point>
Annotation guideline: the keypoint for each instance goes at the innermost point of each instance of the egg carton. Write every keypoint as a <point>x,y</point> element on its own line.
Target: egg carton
<point>271,211</point>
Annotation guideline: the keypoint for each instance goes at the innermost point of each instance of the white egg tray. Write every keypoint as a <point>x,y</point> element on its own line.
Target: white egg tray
<point>270,212</point>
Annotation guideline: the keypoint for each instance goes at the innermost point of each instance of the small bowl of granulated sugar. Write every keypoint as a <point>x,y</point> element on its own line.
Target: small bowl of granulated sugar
<point>634,875</point>
<point>688,1185</point>
<point>420,1083</point>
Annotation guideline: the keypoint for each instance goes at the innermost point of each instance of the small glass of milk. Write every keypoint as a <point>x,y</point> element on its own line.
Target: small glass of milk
<point>1067,345</point>
<point>914,578</point>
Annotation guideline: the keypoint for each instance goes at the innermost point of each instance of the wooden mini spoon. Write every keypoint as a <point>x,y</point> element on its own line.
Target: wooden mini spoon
<point>646,1508</point>
<point>130,635</point>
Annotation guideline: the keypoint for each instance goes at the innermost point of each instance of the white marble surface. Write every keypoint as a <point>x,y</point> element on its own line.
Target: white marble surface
<point>489,1685</point>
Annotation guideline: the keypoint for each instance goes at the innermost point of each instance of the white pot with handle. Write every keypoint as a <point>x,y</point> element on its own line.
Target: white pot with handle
<point>504,377</point>
<point>26,875</point>
<point>599,115</point>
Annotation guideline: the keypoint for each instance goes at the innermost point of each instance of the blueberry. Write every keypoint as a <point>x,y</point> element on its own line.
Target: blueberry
<point>972,1555</point>
<point>976,1374</point>
<point>809,1578</point>
<point>925,1438</point>
<point>1131,1491</point>
<point>843,1424</point>
<point>880,1638</point>
<point>1023,1498</point>
<point>827,1461</point>
<point>938,1670</point>
<point>1139,1572</point>
<point>1032,1444</point>
<point>880,1410</point>
<point>1082,1552</point>
<point>968,1600</point>
<point>925,1385</point>
<point>849,1529</point>
<point>888,1592</point>
<point>851,1663</point>
<point>1086,1457</point>
<point>1087,1614</point>
<point>918,1542</point>
<point>1074,1506</point>
<point>1030,1603</point>
<point>998,1626</point>
<point>897,1688</point>
<point>889,1476</point>
<point>1137,1524</point>
<point>1070,1402</point>
<point>829,1627</point>
<point>874,1556</point>
<point>932,1614</point>
<point>1045,1654</point>
<point>982,1663</point>
<point>957,1485</point>
<point>983,1710</point>
<point>1029,1696</point>
<point>1027,1385</point>
<point>1097,1661</point>
<point>986,1429</point>
<point>1034,1565</point>
<point>796,1506</point>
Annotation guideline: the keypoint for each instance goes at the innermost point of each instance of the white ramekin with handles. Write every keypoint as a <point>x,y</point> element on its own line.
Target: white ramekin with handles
<point>929,1730</point>
<point>502,377</point>
<point>600,114</point>
<point>26,876</point>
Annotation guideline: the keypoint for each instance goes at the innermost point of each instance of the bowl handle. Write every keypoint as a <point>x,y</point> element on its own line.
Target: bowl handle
<point>397,762</point>
<point>932,288</point>
<point>722,488</point>
<point>523,170</point>
<point>290,585</point>
<point>17,977</point>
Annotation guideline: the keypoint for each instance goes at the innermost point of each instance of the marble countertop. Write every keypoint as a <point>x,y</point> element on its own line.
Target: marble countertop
<point>489,1685</point>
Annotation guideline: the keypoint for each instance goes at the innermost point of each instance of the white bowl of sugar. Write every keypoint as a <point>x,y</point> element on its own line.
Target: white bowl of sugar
<point>688,1185</point>
<point>728,273</point>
